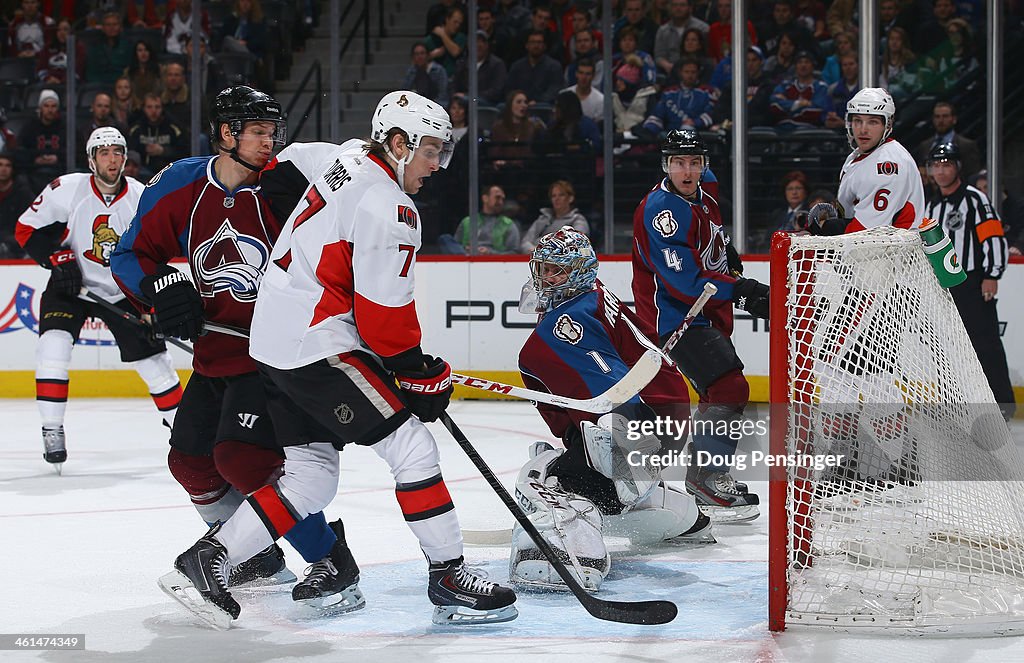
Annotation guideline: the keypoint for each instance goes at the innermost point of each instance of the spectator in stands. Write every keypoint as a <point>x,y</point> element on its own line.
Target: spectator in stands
<point>950,63</point>
<point>212,78</point>
<point>561,213</point>
<point>693,47</point>
<point>841,17</point>
<point>143,70</point>
<point>843,90</point>
<point>425,76</point>
<point>52,61</point>
<point>782,65</point>
<point>245,31</point>
<point>175,97</point>
<point>844,44</point>
<point>668,40</point>
<point>41,146</point>
<point>537,74</point>
<point>125,107</point>
<point>446,42</point>
<point>632,101</point>
<point>685,106</point>
<point>511,25</point>
<point>15,197</point>
<point>889,17</point>
<point>438,13</point>
<point>811,15</point>
<point>659,12</point>
<point>820,196</point>
<point>8,141</point>
<point>1011,210</point>
<point>759,93</point>
<point>720,32</point>
<point>485,22</point>
<point>133,167</point>
<point>152,15</point>
<point>898,72</point>
<point>495,233</point>
<point>179,23</point>
<point>802,101</point>
<point>580,21</point>
<point>783,21</point>
<point>944,120</point>
<point>491,73</point>
<point>626,44</point>
<point>584,48</point>
<point>634,16</point>
<point>571,133</point>
<point>30,31</point>
<point>932,32</point>
<point>514,132</point>
<point>591,100</point>
<point>108,57</point>
<point>457,110</point>
<point>99,116</point>
<point>794,189</point>
<point>159,140</point>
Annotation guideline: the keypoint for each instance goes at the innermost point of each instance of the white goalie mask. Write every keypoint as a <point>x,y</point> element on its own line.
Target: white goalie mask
<point>104,137</point>
<point>418,118</point>
<point>870,101</point>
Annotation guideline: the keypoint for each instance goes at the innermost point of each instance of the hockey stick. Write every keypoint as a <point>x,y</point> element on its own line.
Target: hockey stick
<point>641,612</point>
<point>629,386</point>
<point>709,290</point>
<point>228,330</point>
<point>135,320</point>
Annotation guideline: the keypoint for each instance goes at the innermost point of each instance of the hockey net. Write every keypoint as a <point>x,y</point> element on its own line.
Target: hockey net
<point>920,527</point>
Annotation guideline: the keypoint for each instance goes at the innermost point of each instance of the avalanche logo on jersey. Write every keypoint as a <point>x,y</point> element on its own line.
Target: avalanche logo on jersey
<point>568,330</point>
<point>713,254</point>
<point>230,261</point>
<point>104,241</point>
<point>665,223</point>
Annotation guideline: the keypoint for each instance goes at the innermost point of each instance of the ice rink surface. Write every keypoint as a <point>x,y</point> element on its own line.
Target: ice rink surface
<point>81,553</point>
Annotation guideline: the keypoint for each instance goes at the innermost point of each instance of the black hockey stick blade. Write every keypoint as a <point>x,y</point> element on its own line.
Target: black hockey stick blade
<point>626,612</point>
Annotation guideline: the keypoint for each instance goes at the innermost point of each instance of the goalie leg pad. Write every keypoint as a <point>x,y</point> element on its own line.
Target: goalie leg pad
<point>668,514</point>
<point>611,452</point>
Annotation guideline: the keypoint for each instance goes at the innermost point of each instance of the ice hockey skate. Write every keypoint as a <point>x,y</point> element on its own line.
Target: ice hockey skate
<point>721,497</point>
<point>331,586</point>
<point>199,582</point>
<point>462,597</point>
<point>54,451</point>
<point>263,569</point>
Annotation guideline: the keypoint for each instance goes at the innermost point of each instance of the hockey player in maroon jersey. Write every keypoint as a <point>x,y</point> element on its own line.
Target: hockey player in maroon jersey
<point>679,245</point>
<point>585,342</point>
<point>209,210</point>
<point>70,229</point>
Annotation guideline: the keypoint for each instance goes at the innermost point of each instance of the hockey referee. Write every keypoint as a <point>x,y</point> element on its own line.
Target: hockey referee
<point>977,234</point>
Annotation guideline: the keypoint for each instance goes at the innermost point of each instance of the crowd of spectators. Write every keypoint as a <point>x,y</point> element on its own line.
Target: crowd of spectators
<point>671,67</point>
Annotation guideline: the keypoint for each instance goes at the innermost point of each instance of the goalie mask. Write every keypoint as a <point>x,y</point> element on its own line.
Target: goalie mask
<point>105,137</point>
<point>562,266</point>
<point>418,118</point>
<point>870,101</point>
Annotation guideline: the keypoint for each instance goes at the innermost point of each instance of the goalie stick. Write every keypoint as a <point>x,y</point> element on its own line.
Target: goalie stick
<point>626,612</point>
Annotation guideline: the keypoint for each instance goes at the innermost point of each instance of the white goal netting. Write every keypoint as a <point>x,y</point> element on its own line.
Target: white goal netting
<point>920,527</point>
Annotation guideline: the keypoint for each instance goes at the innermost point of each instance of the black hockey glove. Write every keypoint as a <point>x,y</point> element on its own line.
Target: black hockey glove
<point>733,259</point>
<point>176,304</point>
<point>752,297</point>
<point>823,219</point>
<point>65,276</point>
<point>427,392</point>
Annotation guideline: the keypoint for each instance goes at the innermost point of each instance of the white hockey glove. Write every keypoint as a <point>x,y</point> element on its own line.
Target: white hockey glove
<point>610,450</point>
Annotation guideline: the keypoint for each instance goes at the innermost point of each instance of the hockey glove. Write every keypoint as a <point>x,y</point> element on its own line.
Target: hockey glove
<point>176,304</point>
<point>752,297</point>
<point>65,276</point>
<point>823,219</point>
<point>427,392</point>
<point>733,259</point>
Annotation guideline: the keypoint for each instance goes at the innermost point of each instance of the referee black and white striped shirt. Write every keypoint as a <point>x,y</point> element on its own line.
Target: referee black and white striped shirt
<point>974,228</point>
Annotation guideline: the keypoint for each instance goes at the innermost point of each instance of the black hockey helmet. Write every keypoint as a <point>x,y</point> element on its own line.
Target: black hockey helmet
<point>945,152</point>
<point>237,105</point>
<point>683,141</point>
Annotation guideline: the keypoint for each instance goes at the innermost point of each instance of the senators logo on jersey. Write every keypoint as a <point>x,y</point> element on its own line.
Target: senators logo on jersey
<point>230,261</point>
<point>888,168</point>
<point>104,241</point>
<point>407,216</point>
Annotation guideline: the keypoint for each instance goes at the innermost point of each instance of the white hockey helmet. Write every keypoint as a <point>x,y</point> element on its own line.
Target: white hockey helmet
<point>418,117</point>
<point>870,101</point>
<point>104,137</point>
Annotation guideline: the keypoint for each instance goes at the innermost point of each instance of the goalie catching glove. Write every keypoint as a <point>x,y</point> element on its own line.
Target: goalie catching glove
<point>427,392</point>
<point>176,303</point>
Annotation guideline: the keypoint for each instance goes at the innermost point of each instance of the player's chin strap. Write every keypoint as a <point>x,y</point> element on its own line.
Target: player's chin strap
<point>233,153</point>
<point>400,165</point>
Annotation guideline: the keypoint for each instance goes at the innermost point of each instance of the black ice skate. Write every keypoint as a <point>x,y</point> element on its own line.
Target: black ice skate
<point>701,532</point>
<point>263,569</point>
<point>721,497</point>
<point>54,451</point>
<point>199,582</point>
<point>331,586</point>
<point>463,597</point>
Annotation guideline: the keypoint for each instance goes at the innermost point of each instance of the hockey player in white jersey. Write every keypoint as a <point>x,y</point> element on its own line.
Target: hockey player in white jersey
<point>335,328</point>
<point>71,229</point>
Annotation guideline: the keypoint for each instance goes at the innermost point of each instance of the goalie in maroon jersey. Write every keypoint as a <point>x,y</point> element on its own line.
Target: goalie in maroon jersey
<point>585,342</point>
<point>210,211</point>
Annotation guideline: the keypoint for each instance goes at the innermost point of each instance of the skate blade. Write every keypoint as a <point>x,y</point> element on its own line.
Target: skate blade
<point>282,577</point>
<point>456,615</point>
<point>176,585</point>
<point>730,515</point>
<point>58,468</point>
<point>701,538</point>
<point>349,599</point>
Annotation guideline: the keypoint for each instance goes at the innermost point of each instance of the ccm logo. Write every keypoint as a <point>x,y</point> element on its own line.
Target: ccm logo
<point>64,256</point>
<point>480,383</point>
<point>888,168</point>
<point>426,387</point>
